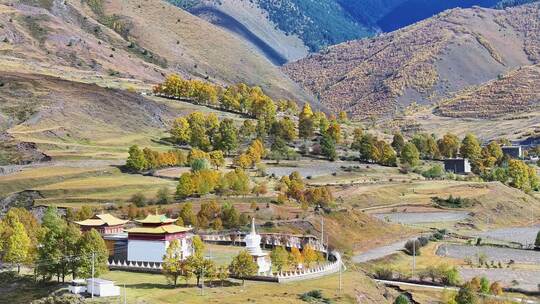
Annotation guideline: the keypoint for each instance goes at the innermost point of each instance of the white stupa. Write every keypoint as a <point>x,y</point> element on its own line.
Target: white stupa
<point>253,246</point>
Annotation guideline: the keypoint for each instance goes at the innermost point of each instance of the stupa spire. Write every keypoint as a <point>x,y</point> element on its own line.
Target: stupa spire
<point>253,226</point>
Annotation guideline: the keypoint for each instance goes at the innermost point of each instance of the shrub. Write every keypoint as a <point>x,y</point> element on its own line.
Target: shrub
<point>434,172</point>
<point>384,273</point>
<point>423,241</point>
<point>413,247</point>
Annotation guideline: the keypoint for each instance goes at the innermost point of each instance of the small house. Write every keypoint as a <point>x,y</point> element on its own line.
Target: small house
<point>457,165</point>
<point>102,288</point>
<point>513,151</point>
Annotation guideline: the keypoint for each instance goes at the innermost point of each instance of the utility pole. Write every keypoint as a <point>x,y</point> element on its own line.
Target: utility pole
<point>125,294</point>
<point>413,258</point>
<point>93,283</point>
<point>340,279</point>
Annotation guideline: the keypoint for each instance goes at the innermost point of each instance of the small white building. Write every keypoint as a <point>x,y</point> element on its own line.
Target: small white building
<point>253,246</point>
<point>102,288</point>
<point>77,286</point>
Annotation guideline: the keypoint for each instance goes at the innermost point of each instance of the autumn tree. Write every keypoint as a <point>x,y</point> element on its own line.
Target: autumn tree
<point>185,187</point>
<point>173,267</point>
<point>295,257</point>
<point>163,196</point>
<point>309,254</point>
<point>18,244</point>
<point>188,215</point>
<point>334,131</point>
<point>243,266</point>
<point>449,145</point>
<point>470,147</point>
<point>306,124</point>
<point>217,159</point>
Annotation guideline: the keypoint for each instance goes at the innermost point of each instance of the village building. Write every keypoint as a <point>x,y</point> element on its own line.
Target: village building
<point>103,223</point>
<point>149,241</point>
<point>457,165</point>
<point>253,246</point>
<point>513,151</point>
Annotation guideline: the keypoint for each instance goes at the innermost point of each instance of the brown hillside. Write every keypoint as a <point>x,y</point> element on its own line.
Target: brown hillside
<point>113,40</point>
<point>422,63</point>
<point>515,92</point>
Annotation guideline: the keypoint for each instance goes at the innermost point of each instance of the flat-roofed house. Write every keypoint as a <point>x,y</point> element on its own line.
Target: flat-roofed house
<point>103,223</point>
<point>149,241</point>
<point>457,165</point>
<point>513,151</point>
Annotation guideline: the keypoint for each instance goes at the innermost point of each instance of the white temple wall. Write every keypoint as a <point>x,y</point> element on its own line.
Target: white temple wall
<point>146,251</point>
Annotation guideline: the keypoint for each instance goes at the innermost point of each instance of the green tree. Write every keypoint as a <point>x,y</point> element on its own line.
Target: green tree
<point>49,254</point>
<point>138,199</point>
<point>187,214</point>
<point>484,285</point>
<point>387,155</point>
<point>470,148</point>
<point>227,136</point>
<point>537,242</point>
<point>136,161</point>
<point>91,245</point>
<point>398,142</point>
<point>366,147</point>
<point>243,266</point>
<point>401,299</point>
<point>410,155</point>
<point>328,147</point>
<point>163,196</point>
<point>279,257</point>
<point>199,164</point>
<point>18,244</point>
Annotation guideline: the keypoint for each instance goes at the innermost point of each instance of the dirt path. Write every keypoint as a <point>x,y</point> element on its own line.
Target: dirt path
<point>379,252</point>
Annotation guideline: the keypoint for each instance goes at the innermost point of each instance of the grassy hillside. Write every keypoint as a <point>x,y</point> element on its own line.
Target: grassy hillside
<point>510,94</point>
<point>119,41</point>
<point>422,63</point>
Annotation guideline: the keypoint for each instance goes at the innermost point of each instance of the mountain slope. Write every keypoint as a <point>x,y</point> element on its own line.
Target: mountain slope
<point>422,63</point>
<point>514,93</point>
<point>134,41</point>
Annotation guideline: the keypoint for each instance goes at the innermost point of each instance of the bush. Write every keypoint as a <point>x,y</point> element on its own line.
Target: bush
<point>384,273</point>
<point>423,241</point>
<point>434,172</point>
<point>452,202</point>
<point>138,199</point>
<point>314,296</point>
<point>413,247</point>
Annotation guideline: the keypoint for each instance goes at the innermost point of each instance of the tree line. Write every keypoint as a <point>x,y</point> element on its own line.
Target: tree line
<point>63,250</point>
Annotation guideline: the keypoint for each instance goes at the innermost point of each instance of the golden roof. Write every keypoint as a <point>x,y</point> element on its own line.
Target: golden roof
<point>159,230</point>
<point>102,219</point>
<point>156,219</point>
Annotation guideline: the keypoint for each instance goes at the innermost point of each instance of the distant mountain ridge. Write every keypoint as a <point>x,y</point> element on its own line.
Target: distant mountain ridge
<point>286,30</point>
<point>425,63</point>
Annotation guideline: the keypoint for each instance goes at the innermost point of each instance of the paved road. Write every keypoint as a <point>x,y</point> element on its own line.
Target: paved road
<point>423,217</point>
<point>379,252</point>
